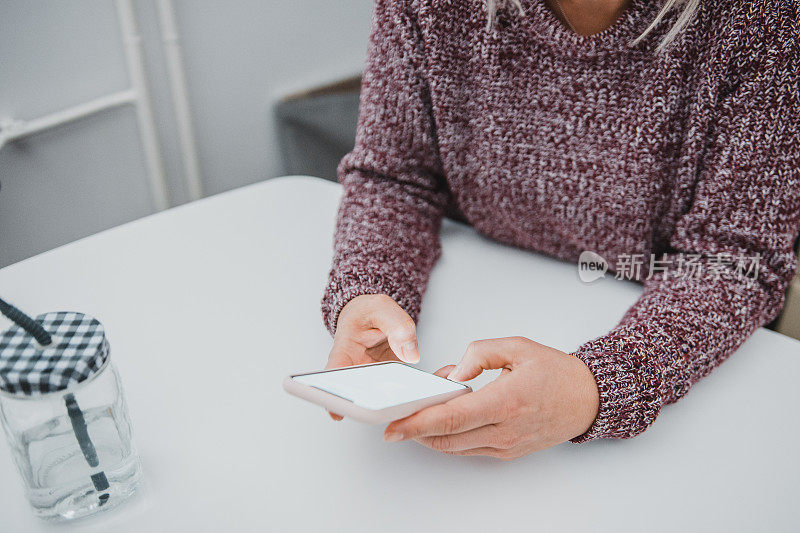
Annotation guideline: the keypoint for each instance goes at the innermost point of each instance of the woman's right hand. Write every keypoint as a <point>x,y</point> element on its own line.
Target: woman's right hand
<point>373,328</point>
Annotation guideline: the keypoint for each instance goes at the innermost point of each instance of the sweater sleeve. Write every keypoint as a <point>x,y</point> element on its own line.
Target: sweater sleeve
<point>387,232</point>
<point>746,204</point>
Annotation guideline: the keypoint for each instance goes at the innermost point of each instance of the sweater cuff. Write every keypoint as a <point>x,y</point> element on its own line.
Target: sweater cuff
<point>343,287</point>
<point>629,393</point>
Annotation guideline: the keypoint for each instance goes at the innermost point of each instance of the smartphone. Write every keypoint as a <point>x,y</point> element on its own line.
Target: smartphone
<point>376,393</point>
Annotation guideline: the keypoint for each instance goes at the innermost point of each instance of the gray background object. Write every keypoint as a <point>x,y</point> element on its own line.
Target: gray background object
<point>317,128</point>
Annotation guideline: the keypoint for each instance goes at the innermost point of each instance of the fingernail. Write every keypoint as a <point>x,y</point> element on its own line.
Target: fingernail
<point>393,437</point>
<point>410,352</point>
<point>455,374</point>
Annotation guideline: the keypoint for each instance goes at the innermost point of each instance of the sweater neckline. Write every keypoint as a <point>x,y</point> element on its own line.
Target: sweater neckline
<point>548,29</point>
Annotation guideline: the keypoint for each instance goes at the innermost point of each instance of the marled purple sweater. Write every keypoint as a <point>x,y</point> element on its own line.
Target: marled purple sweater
<point>558,143</point>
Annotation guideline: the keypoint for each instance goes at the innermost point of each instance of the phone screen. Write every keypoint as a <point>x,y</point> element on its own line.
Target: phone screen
<point>379,386</point>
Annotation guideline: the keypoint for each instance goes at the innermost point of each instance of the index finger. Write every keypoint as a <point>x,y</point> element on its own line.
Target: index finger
<point>340,357</point>
<point>460,414</point>
<point>341,354</point>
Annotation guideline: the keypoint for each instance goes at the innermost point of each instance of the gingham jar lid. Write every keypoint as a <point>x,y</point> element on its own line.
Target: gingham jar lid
<point>78,351</point>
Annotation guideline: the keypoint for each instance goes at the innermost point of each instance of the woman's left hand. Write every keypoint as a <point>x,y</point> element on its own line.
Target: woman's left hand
<point>543,397</point>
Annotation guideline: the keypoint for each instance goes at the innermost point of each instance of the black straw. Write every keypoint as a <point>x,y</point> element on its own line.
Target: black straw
<point>78,421</point>
<point>25,322</point>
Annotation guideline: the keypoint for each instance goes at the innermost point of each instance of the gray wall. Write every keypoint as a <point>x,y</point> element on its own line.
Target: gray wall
<point>239,57</point>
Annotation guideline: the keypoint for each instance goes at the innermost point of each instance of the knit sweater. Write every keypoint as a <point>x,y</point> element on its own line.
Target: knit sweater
<point>560,143</point>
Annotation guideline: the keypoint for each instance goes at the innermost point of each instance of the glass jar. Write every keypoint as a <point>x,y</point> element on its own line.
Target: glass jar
<point>63,411</point>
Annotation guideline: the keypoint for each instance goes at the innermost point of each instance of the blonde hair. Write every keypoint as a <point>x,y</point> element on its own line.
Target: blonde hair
<point>687,8</point>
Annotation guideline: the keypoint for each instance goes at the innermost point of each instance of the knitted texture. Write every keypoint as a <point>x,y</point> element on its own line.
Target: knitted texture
<point>558,143</point>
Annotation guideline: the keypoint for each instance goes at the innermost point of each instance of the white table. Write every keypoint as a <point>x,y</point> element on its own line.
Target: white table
<point>230,451</point>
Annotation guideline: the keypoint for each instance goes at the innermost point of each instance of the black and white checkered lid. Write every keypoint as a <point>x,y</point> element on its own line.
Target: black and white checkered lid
<point>78,351</point>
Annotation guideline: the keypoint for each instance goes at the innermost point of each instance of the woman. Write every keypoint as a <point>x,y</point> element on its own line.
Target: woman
<point>613,126</point>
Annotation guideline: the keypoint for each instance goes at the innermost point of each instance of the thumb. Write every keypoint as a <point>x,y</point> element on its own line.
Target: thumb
<point>444,371</point>
<point>483,355</point>
<point>400,331</point>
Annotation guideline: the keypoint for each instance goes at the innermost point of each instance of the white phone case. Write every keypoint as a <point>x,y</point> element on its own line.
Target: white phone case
<point>346,408</point>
